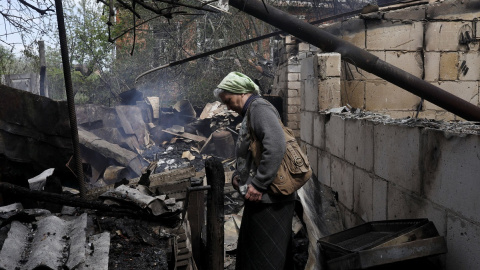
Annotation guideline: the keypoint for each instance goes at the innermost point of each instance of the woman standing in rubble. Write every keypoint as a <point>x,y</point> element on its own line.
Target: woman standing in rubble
<point>266,228</point>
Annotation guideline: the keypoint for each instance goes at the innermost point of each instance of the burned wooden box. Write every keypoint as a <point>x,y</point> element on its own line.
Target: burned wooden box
<point>378,243</point>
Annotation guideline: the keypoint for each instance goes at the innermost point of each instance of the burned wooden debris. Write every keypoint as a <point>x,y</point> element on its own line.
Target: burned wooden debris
<point>145,173</point>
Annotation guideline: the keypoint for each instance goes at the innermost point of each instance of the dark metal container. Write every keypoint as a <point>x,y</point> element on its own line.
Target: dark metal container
<point>381,242</point>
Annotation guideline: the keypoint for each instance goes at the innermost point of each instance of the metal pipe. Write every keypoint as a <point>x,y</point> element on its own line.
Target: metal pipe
<point>70,97</point>
<point>359,57</point>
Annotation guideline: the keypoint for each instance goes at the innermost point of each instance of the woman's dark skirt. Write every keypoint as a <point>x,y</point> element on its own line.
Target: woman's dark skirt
<point>264,237</point>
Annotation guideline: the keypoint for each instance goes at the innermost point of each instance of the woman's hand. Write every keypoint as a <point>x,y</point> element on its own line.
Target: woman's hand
<point>253,194</point>
<point>235,181</point>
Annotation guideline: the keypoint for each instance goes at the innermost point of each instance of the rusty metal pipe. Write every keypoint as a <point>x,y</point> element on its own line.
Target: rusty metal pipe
<point>70,98</point>
<point>359,57</point>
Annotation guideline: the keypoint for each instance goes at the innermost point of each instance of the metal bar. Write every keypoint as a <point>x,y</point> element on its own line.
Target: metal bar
<point>361,58</point>
<point>70,97</point>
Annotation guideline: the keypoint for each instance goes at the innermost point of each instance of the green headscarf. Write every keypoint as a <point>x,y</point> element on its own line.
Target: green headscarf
<point>238,83</point>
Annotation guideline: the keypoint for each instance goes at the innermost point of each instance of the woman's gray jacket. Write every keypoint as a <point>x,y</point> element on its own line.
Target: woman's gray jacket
<point>264,120</point>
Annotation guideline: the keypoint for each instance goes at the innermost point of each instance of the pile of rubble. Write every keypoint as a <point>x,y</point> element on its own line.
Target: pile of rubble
<point>142,163</point>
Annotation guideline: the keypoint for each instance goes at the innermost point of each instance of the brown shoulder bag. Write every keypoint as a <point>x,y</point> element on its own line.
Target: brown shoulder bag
<point>295,169</point>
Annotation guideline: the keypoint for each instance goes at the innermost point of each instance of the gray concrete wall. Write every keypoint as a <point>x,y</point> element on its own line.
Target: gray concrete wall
<point>383,169</point>
<point>382,165</point>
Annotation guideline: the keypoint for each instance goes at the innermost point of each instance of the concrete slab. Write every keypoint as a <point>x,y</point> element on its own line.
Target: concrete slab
<point>449,66</point>
<point>329,93</point>
<point>312,155</point>
<point>452,168</point>
<point>353,93</point>
<point>381,95</point>
<point>432,66</point>
<point>319,130</point>
<point>306,127</point>
<point>309,90</point>
<point>335,135</point>
<point>397,36</point>
<point>402,204</point>
<point>324,172</point>
<point>443,36</point>
<point>363,194</point>
<point>379,199</point>
<point>353,31</point>
<point>359,143</point>
<point>396,155</point>
<point>463,241</point>
<point>469,66</point>
<point>411,62</point>
<point>467,90</point>
<point>342,181</point>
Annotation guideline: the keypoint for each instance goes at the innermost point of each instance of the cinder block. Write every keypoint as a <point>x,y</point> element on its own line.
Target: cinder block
<point>397,154</point>
<point>323,168</point>
<point>329,93</point>
<point>335,135</point>
<point>294,85</point>
<point>404,205</point>
<point>359,143</point>
<point>294,101</point>
<point>319,130</point>
<point>353,31</point>
<point>445,116</point>
<point>310,84</point>
<point>463,244</point>
<point>379,199</point>
<point>469,66</point>
<point>449,66</point>
<point>349,219</point>
<point>410,62</point>
<point>293,77</point>
<point>452,171</point>
<point>306,127</point>
<point>454,10</point>
<point>465,90</point>
<point>381,95</point>
<point>290,39</point>
<point>293,125</point>
<point>302,46</point>
<point>432,66</point>
<point>293,93</point>
<point>443,36</point>
<point>394,36</point>
<point>294,68</point>
<point>302,55</point>
<point>353,93</point>
<point>366,75</point>
<point>342,181</point>
<point>312,155</point>
<point>363,194</point>
<point>416,13</point>
<point>293,109</point>
<point>293,117</point>
<point>328,65</point>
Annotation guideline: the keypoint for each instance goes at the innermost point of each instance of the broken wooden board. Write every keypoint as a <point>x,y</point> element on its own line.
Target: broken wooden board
<point>158,179</point>
<point>187,136</point>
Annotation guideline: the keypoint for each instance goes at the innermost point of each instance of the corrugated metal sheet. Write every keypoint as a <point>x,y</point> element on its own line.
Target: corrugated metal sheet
<point>53,243</point>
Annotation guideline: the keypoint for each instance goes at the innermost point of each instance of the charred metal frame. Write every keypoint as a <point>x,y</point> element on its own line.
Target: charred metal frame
<point>359,57</point>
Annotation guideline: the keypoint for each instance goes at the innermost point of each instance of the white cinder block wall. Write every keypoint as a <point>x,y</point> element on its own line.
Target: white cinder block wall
<point>383,169</point>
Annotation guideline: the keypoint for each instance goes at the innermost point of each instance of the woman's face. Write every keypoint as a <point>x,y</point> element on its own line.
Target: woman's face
<point>234,102</point>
